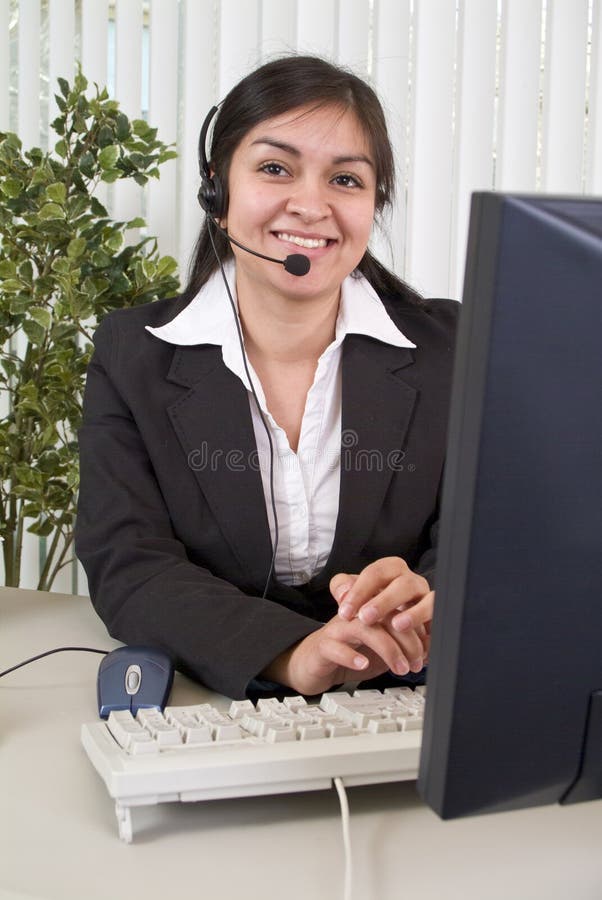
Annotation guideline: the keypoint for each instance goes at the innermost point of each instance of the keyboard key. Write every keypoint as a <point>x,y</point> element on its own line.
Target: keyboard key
<point>310,732</point>
<point>295,702</point>
<point>339,729</point>
<point>226,731</point>
<point>278,733</point>
<point>129,733</point>
<point>381,726</point>
<point>158,727</point>
<point>238,708</point>
<point>192,731</point>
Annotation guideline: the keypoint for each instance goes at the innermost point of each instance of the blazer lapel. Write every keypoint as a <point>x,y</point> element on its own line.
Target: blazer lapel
<point>214,426</point>
<point>377,407</point>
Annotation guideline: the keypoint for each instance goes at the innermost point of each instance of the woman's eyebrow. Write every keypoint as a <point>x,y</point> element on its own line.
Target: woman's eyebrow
<point>294,151</point>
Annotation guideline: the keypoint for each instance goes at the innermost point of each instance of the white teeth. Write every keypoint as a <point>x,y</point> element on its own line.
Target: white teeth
<point>308,243</point>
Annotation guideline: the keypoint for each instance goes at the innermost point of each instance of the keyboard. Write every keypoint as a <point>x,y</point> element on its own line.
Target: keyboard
<point>190,753</point>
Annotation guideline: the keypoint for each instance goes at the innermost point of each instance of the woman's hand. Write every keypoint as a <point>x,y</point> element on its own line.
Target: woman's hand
<point>338,651</point>
<point>389,593</point>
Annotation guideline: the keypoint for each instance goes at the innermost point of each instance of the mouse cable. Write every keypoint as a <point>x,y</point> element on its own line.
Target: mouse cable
<point>338,783</point>
<point>259,410</point>
<point>48,653</point>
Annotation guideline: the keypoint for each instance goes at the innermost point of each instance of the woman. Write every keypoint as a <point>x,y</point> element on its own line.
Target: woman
<point>346,377</point>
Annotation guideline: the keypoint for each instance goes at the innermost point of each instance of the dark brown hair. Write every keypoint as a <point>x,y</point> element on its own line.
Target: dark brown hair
<point>273,89</point>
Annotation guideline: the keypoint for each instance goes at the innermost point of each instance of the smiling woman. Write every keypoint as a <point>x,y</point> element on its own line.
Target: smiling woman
<point>271,443</point>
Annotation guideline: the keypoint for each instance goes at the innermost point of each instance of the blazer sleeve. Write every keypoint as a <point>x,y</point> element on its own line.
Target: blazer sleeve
<point>141,582</point>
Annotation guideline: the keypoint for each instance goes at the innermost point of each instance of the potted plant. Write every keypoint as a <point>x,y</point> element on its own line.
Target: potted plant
<point>64,264</point>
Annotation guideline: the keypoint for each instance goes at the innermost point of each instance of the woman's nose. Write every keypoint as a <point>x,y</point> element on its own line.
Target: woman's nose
<point>308,202</point>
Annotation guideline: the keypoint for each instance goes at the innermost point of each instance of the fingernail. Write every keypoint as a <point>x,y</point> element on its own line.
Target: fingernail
<point>401,667</point>
<point>368,615</point>
<point>417,664</point>
<point>346,611</point>
<point>341,591</point>
<point>360,662</point>
<point>402,622</point>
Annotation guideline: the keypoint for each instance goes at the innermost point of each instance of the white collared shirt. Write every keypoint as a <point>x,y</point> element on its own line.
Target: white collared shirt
<point>306,483</point>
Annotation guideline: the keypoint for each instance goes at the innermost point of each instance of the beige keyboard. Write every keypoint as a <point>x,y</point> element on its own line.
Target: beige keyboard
<point>190,753</point>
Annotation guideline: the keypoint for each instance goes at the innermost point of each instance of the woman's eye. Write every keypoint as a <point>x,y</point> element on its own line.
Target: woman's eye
<point>273,168</point>
<point>346,180</point>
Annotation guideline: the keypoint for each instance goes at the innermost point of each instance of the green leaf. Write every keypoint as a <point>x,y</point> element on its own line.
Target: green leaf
<point>94,286</point>
<point>108,156</point>
<point>111,175</point>
<point>122,126</point>
<point>87,164</point>
<point>76,247</point>
<point>58,124</point>
<point>10,367</point>
<point>114,242</point>
<point>18,305</point>
<point>7,268</point>
<point>41,315</point>
<point>166,265</point>
<point>49,462</point>
<point>11,187</point>
<point>56,192</point>
<point>100,259</point>
<point>64,86</point>
<point>26,271</point>
<point>61,148</point>
<point>51,211</point>
<point>97,207</point>
<point>61,265</point>
<point>39,176</point>
<point>11,285</point>
<point>34,331</point>
<point>138,222</point>
<point>80,83</point>
<point>43,527</point>
<point>149,268</point>
<point>105,136</point>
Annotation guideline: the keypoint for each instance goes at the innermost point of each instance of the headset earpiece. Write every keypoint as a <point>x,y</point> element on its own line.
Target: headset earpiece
<point>211,192</point>
<point>211,196</point>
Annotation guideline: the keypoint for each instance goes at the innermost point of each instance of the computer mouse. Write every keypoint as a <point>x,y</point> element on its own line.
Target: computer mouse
<point>133,678</point>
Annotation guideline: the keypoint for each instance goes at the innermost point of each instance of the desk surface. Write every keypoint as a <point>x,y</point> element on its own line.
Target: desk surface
<point>58,832</point>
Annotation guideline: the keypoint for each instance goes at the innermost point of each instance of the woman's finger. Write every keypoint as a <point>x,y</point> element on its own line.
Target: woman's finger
<point>419,614</point>
<point>411,643</point>
<point>340,585</point>
<point>371,597</point>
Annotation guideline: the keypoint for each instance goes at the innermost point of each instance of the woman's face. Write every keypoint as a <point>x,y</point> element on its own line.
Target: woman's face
<point>303,182</point>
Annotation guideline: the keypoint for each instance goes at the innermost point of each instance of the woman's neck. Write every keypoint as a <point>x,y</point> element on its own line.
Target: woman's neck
<point>287,333</point>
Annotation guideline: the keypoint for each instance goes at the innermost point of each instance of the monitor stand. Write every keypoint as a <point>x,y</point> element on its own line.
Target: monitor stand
<point>588,783</point>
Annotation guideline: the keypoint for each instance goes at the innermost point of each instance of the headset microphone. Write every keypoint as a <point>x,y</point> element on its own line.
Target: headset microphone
<point>212,198</point>
<point>296,263</point>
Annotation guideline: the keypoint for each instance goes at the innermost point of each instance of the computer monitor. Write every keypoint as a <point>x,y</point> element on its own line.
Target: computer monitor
<point>514,688</point>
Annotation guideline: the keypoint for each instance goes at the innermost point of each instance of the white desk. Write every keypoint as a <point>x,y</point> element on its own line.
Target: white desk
<point>58,833</point>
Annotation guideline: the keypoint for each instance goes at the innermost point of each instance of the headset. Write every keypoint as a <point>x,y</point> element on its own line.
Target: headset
<point>211,194</point>
<point>212,197</point>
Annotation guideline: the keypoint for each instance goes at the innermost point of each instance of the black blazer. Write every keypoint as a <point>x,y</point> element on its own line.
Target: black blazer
<point>172,527</point>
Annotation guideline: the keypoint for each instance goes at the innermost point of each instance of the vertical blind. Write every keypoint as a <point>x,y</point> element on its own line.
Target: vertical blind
<point>479,95</point>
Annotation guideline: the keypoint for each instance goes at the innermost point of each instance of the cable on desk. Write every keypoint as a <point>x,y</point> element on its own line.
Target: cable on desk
<point>338,783</point>
<point>48,653</point>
